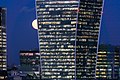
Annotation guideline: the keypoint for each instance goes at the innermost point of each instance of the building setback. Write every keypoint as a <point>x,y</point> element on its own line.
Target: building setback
<point>68,37</point>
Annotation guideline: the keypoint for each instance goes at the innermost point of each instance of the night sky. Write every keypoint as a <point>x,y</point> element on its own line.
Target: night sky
<point>21,35</point>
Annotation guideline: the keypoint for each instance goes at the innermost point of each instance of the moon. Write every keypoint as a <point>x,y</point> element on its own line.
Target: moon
<point>34,24</point>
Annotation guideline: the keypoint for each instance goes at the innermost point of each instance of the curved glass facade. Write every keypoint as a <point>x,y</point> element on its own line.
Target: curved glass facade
<point>87,37</point>
<point>68,36</point>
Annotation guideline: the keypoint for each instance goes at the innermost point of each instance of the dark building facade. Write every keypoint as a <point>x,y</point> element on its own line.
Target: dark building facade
<point>30,64</point>
<point>108,62</point>
<point>68,38</point>
<point>116,63</point>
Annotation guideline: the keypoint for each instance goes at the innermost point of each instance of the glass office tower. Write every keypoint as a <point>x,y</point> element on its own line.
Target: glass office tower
<point>68,36</point>
<point>3,60</point>
<point>88,27</point>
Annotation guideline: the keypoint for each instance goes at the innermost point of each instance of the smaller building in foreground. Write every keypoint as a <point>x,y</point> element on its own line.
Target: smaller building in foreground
<point>108,62</point>
<point>30,63</point>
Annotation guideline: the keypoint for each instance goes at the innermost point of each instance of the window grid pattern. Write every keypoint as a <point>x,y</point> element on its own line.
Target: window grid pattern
<point>57,20</point>
<point>57,26</point>
<point>3,57</point>
<point>87,37</point>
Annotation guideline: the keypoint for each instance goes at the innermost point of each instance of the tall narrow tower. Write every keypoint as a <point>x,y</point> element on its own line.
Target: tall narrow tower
<point>68,38</point>
<point>3,60</point>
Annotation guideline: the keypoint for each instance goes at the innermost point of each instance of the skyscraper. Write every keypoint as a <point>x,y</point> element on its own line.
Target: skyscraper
<point>3,60</point>
<point>68,38</point>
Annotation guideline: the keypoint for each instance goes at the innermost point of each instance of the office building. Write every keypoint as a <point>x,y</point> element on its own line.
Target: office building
<point>108,62</point>
<point>3,55</point>
<point>3,60</point>
<point>30,64</point>
<point>68,37</point>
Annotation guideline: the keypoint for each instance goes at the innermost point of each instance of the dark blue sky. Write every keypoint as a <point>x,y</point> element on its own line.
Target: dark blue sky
<point>21,35</point>
<point>110,28</point>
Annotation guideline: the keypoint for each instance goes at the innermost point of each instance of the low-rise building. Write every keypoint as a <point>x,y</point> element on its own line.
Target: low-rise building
<point>108,62</point>
<point>30,63</point>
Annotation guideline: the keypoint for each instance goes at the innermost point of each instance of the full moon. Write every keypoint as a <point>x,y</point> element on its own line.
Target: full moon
<point>34,24</point>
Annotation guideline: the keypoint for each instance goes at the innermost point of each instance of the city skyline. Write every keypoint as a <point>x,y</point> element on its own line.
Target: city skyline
<point>76,39</point>
<point>109,34</point>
